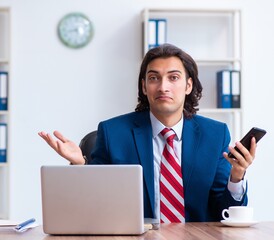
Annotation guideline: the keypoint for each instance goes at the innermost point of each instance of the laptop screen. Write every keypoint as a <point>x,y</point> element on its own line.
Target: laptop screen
<point>92,199</point>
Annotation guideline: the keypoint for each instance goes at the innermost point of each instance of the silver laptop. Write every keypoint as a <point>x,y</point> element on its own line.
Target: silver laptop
<point>92,199</point>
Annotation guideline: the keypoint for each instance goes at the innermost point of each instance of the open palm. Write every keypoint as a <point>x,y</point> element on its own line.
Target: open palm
<point>64,147</point>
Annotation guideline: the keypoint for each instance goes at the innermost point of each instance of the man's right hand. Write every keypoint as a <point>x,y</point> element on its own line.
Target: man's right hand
<point>64,147</point>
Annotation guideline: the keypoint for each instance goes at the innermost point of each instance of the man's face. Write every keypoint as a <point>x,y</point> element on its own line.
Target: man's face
<point>166,86</point>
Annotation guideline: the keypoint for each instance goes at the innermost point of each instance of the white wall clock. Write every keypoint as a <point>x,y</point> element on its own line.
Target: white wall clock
<point>75,30</point>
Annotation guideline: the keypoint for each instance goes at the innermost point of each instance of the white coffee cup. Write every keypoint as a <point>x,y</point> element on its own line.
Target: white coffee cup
<point>238,214</point>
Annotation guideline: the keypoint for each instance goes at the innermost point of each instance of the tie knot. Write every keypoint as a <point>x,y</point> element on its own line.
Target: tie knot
<point>168,134</point>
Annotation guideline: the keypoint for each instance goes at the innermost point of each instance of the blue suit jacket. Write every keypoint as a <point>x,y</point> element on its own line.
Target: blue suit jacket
<point>127,139</point>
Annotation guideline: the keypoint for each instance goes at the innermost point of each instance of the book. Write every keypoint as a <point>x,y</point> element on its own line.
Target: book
<point>157,32</point>
<point>224,96</point>
<point>3,142</point>
<point>3,91</point>
<point>235,88</point>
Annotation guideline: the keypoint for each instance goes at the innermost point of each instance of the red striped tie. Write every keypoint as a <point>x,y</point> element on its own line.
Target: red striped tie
<point>171,184</point>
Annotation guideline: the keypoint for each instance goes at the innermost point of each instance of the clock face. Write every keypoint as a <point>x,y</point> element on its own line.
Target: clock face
<point>75,30</point>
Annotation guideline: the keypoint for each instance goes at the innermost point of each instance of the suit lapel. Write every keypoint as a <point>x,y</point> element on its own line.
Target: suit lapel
<point>190,140</point>
<point>143,138</point>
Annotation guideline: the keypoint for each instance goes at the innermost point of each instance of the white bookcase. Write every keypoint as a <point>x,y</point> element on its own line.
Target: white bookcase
<point>213,39</point>
<point>4,115</point>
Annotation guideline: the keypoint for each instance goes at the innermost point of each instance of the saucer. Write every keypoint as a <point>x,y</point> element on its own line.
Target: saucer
<point>238,224</point>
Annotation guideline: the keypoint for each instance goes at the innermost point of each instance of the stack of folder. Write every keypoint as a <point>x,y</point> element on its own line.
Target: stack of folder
<point>228,89</point>
<point>157,32</point>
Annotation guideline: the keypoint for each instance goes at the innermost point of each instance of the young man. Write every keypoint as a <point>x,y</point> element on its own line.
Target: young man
<point>206,180</point>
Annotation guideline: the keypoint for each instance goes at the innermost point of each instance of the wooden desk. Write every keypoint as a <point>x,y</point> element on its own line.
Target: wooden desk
<point>188,231</point>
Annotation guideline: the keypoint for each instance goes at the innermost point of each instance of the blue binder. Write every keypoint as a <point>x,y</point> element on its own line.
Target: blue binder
<point>152,33</point>
<point>157,32</point>
<point>3,91</point>
<point>224,96</point>
<point>236,88</point>
<point>3,142</point>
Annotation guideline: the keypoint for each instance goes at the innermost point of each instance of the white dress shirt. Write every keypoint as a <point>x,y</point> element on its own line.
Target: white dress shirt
<point>236,189</point>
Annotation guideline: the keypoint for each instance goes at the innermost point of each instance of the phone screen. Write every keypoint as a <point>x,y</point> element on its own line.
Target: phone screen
<point>258,133</point>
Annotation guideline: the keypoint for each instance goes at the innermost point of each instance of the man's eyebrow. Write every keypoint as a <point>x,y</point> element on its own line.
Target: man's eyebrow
<point>171,71</point>
<point>175,71</point>
<point>152,71</point>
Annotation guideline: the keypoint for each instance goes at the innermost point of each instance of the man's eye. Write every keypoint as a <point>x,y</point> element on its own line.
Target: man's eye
<point>174,78</point>
<point>153,78</point>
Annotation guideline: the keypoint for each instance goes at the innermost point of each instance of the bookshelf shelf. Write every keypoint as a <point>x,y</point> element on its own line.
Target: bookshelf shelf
<point>226,61</point>
<point>4,61</point>
<point>213,38</point>
<point>3,164</point>
<point>4,112</point>
<point>221,110</point>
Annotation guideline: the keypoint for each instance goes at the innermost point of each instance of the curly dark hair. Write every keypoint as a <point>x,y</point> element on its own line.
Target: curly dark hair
<point>166,51</point>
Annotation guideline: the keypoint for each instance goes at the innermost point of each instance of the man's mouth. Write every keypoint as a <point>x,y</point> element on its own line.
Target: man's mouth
<point>163,97</point>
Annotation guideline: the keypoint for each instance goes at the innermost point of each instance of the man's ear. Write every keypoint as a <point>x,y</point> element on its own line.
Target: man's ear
<point>144,87</point>
<point>189,86</point>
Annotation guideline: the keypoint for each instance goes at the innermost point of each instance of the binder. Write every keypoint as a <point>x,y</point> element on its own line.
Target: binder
<point>224,89</point>
<point>152,33</point>
<point>3,91</point>
<point>3,142</point>
<point>162,31</point>
<point>236,88</point>
<point>157,32</point>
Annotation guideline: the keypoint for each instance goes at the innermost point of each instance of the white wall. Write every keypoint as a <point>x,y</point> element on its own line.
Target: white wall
<point>54,87</point>
<point>258,92</point>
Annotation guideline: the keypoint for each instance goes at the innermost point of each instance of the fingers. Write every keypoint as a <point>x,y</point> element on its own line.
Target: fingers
<point>60,136</point>
<point>238,164</point>
<point>44,135</point>
<point>248,155</point>
<point>253,147</point>
<point>48,138</point>
<point>241,161</point>
<point>231,160</point>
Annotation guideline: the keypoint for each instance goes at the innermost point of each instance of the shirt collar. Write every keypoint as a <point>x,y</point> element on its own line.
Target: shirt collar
<point>157,127</point>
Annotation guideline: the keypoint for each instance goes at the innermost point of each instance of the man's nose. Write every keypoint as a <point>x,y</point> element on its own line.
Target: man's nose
<point>164,85</point>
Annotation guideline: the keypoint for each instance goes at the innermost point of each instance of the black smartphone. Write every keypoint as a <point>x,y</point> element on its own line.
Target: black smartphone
<point>258,133</point>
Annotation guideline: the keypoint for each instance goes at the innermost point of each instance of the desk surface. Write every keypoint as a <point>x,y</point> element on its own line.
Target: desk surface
<point>175,231</point>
